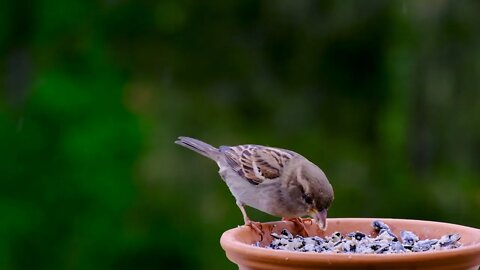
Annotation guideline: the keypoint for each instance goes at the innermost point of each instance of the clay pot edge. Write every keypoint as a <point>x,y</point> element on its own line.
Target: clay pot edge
<point>236,248</point>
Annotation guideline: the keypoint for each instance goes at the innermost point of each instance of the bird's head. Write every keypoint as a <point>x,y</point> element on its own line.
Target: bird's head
<point>316,192</point>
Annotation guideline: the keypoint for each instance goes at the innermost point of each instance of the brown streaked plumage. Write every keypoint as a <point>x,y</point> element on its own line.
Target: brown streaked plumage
<point>274,180</point>
<point>256,163</point>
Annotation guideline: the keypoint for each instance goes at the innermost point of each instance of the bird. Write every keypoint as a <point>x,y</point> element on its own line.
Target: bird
<point>276,181</point>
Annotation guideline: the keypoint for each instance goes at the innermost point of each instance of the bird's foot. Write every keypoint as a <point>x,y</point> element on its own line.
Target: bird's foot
<point>299,222</point>
<point>256,226</point>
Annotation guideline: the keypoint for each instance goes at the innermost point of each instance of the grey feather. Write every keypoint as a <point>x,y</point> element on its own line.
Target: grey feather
<point>200,147</point>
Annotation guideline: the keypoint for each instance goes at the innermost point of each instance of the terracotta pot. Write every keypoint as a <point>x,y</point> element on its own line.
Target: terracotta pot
<point>237,244</point>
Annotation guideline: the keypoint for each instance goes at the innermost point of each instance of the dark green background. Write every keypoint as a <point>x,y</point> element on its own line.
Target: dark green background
<point>383,95</point>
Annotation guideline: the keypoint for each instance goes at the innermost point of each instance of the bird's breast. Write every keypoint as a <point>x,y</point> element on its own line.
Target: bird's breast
<point>264,196</point>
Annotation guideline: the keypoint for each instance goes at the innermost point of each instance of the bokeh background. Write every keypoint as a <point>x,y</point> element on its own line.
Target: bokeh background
<point>383,95</point>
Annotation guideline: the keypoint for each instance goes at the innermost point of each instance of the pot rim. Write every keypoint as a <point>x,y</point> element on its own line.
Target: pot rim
<point>230,243</point>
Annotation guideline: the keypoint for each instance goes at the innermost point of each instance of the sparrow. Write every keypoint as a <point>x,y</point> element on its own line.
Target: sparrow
<point>276,181</point>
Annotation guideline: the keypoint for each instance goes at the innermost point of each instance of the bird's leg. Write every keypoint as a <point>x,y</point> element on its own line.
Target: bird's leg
<point>298,221</point>
<point>252,224</point>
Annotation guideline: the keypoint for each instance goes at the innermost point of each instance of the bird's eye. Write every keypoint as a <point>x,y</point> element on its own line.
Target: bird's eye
<point>308,199</point>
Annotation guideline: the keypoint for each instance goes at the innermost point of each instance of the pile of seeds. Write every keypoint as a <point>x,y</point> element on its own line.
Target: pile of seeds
<point>386,242</point>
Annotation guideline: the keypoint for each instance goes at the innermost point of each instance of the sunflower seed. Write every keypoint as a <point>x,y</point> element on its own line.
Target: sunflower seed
<point>386,242</point>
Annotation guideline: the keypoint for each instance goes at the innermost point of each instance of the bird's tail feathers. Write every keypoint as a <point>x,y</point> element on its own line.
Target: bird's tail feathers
<point>198,146</point>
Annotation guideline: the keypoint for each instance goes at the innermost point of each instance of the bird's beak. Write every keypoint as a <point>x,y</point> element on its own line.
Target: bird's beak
<point>320,218</point>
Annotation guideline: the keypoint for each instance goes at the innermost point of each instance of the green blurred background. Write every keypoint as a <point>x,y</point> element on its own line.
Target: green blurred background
<point>383,95</point>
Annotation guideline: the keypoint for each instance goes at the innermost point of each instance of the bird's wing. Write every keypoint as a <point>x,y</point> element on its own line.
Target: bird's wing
<point>256,163</point>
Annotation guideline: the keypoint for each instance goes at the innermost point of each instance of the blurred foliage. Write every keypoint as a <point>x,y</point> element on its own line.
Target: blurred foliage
<point>383,95</point>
